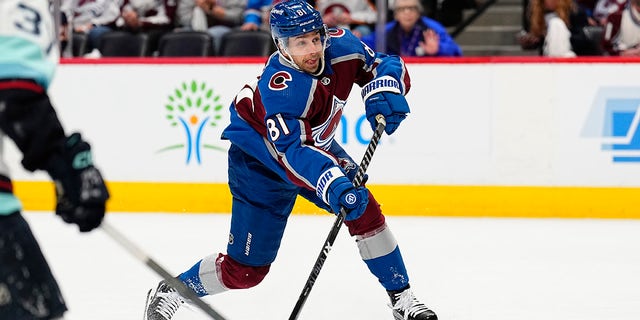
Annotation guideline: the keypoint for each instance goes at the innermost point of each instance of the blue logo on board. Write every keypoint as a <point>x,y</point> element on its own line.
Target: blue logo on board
<point>613,120</point>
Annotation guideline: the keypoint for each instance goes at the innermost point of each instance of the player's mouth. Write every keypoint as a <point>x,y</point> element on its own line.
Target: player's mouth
<point>311,62</point>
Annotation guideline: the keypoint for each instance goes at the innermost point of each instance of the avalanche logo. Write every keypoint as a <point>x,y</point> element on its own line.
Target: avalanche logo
<point>279,80</point>
<point>614,119</point>
<point>324,133</point>
<point>336,32</point>
<point>193,107</point>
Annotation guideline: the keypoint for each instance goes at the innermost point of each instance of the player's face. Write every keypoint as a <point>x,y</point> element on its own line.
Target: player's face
<point>306,51</point>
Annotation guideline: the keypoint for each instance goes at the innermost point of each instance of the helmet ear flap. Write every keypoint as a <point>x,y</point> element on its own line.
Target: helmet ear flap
<point>280,46</point>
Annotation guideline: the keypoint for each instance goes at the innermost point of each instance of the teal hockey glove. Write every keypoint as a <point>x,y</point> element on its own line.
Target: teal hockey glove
<point>80,190</point>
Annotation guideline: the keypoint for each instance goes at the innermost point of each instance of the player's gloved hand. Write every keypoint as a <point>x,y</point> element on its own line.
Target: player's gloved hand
<point>393,106</point>
<point>382,96</point>
<point>342,193</point>
<point>80,190</point>
<point>351,169</point>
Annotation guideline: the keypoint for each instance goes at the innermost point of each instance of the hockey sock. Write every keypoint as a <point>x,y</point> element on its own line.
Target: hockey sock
<point>203,277</point>
<point>381,253</point>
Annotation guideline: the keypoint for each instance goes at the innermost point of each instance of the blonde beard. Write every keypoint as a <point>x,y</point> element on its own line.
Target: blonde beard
<point>287,57</point>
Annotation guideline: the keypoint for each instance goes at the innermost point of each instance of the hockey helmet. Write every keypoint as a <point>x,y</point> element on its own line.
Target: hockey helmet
<point>291,18</point>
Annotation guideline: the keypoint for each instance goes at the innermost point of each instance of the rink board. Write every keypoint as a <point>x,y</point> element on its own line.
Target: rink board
<point>530,137</point>
<point>397,200</point>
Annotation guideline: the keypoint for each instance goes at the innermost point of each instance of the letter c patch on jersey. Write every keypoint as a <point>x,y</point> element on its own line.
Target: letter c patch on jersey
<point>279,80</point>
<point>336,32</point>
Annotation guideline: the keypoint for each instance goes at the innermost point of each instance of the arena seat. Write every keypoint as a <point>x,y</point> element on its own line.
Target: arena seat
<point>239,43</point>
<point>186,44</point>
<point>124,44</point>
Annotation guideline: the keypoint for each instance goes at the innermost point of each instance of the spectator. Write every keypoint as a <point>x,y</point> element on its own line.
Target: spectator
<point>622,31</point>
<point>217,17</point>
<point>256,15</point>
<point>604,8</point>
<point>581,43</point>
<point>359,16</point>
<point>93,18</point>
<point>553,23</point>
<point>63,36</point>
<point>414,35</point>
<point>587,5</point>
<point>152,17</point>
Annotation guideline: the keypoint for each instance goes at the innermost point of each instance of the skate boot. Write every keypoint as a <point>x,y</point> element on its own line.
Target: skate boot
<point>163,304</point>
<point>405,306</point>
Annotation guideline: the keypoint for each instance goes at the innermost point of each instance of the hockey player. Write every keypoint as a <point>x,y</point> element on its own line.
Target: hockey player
<point>281,132</point>
<point>28,56</point>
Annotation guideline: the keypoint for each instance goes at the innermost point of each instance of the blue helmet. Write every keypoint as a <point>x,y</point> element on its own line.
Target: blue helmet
<point>293,18</point>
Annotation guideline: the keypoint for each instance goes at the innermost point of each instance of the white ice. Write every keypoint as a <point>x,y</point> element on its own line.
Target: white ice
<point>463,268</point>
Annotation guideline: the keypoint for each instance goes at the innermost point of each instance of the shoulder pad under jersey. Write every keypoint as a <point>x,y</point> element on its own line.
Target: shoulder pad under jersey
<point>284,89</point>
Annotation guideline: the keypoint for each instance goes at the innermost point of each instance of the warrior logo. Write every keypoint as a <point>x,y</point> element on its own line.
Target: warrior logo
<point>279,80</point>
<point>350,198</point>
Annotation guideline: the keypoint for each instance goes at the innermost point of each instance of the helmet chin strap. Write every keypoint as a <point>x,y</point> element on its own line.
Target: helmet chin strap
<point>288,57</point>
<point>321,67</point>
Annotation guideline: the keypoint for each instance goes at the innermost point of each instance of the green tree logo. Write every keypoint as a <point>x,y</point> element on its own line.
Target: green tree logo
<point>193,106</point>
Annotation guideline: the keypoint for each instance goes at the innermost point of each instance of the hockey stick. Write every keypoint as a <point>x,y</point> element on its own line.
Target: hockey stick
<point>324,252</point>
<point>172,281</point>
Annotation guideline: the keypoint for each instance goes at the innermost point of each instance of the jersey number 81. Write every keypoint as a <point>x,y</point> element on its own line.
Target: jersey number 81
<point>277,127</point>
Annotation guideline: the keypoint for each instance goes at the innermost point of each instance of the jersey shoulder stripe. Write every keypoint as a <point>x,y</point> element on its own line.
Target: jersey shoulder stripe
<point>345,46</point>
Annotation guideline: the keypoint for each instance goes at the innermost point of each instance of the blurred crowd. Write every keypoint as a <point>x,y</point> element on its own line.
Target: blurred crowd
<point>415,28</point>
<point>569,28</point>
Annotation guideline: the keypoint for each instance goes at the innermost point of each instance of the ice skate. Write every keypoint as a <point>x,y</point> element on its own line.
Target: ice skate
<point>163,304</point>
<point>405,306</point>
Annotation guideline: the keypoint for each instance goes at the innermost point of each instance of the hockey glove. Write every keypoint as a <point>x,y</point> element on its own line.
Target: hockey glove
<point>342,193</point>
<point>351,169</point>
<point>80,190</point>
<point>382,96</point>
<point>337,191</point>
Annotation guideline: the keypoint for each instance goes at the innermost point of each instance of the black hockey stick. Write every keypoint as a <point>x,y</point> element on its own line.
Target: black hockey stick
<point>324,252</point>
<point>172,281</point>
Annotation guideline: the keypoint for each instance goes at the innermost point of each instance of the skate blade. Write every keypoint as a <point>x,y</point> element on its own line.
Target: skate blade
<point>146,305</point>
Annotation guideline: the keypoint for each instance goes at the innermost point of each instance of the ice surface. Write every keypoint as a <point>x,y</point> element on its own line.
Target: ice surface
<point>463,268</point>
